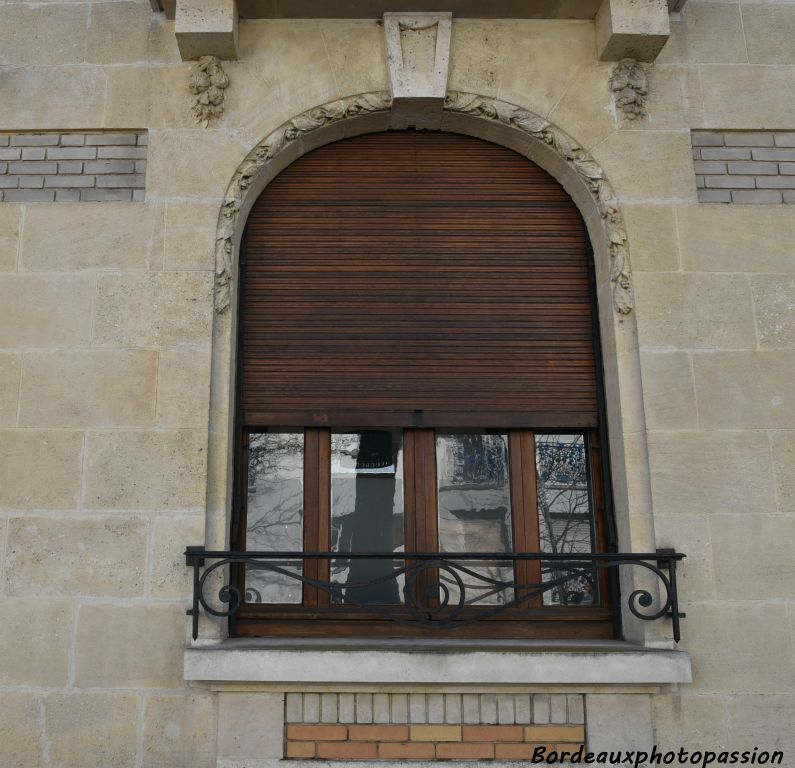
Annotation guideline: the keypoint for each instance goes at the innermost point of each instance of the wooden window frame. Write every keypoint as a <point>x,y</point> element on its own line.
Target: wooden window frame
<point>317,617</point>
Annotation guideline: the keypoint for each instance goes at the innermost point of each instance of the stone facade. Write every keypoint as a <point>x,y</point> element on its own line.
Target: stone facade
<point>116,383</point>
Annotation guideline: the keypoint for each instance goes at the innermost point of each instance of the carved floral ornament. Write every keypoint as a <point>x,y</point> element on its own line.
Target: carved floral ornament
<point>630,86</point>
<point>208,81</point>
<point>481,107</point>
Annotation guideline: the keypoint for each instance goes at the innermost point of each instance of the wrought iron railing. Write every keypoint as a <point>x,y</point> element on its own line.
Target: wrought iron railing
<point>439,590</point>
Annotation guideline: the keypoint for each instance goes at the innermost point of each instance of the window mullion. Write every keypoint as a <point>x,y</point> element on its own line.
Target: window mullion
<point>317,470</point>
<point>598,517</point>
<point>429,523</point>
<point>526,531</point>
<point>421,526</point>
<point>409,491</point>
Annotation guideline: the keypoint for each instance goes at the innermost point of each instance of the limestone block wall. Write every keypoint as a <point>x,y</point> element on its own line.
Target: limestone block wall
<point>104,381</point>
<point>715,287</point>
<point>102,463</point>
<point>106,336</point>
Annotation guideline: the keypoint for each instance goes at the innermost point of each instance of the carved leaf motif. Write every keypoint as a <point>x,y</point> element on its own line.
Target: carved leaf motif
<point>630,86</point>
<point>469,103</point>
<point>622,294</point>
<point>529,122</point>
<point>208,81</point>
<point>565,145</point>
<point>330,113</point>
<point>619,256</point>
<point>250,167</point>
<point>226,231</point>
<point>617,235</point>
<point>503,112</point>
<point>587,167</point>
<point>307,122</point>
<point>372,102</point>
<point>606,196</point>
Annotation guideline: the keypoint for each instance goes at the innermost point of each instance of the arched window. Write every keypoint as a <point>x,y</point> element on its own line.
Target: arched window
<point>418,374</point>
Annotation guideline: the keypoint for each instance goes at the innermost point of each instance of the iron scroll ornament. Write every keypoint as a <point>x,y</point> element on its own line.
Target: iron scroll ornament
<point>446,608</point>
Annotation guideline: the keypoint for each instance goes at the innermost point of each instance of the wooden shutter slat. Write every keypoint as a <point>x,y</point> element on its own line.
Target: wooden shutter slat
<point>408,272</point>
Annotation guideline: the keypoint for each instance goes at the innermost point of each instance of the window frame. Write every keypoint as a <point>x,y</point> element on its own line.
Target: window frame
<point>316,616</point>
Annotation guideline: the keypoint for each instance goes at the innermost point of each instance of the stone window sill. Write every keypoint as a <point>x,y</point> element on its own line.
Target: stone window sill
<point>401,662</point>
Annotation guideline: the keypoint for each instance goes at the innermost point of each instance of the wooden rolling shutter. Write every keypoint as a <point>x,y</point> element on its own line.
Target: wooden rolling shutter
<point>415,278</point>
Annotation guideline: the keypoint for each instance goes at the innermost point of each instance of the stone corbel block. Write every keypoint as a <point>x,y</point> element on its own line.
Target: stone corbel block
<point>631,29</point>
<point>418,58</point>
<point>206,28</point>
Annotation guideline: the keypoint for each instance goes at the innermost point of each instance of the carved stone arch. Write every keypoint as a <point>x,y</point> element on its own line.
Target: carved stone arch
<point>251,175</point>
<point>561,156</point>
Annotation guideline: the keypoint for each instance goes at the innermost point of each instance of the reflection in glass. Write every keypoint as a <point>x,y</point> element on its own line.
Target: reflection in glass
<point>274,520</point>
<point>564,514</point>
<point>367,513</point>
<point>475,509</point>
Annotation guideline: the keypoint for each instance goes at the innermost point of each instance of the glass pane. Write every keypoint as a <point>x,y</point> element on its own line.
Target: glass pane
<point>275,514</point>
<point>475,511</point>
<point>564,515</point>
<point>367,513</point>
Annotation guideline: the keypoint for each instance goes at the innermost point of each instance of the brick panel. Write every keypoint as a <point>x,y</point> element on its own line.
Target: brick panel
<point>72,167</point>
<point>431,726</point>
<point>744,166</point>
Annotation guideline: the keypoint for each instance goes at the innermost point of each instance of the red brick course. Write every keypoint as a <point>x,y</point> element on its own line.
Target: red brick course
<point>465,751</point>
<point>300,732</point>
<point>493,733</point>
<point>406,751</point>
<point>378,732</point>
<point>347,750</point>
<point>426,742</point>
<point>519,751</point>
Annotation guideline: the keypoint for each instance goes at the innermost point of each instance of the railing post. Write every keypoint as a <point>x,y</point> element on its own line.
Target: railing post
<point>194,557</point>
<point>670,563</point>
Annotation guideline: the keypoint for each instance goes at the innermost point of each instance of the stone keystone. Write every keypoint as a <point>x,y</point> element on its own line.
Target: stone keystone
<point>418,59</point>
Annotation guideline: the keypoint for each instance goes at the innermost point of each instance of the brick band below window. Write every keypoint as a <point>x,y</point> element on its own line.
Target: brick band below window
<point>72,166</point>
<point>426,742</point>
<point>429,726</point>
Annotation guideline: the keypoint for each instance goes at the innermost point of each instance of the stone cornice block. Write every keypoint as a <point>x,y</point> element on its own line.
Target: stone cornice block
<point>628,29</point>
<point>206,28</point>
<point>418,59</point>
